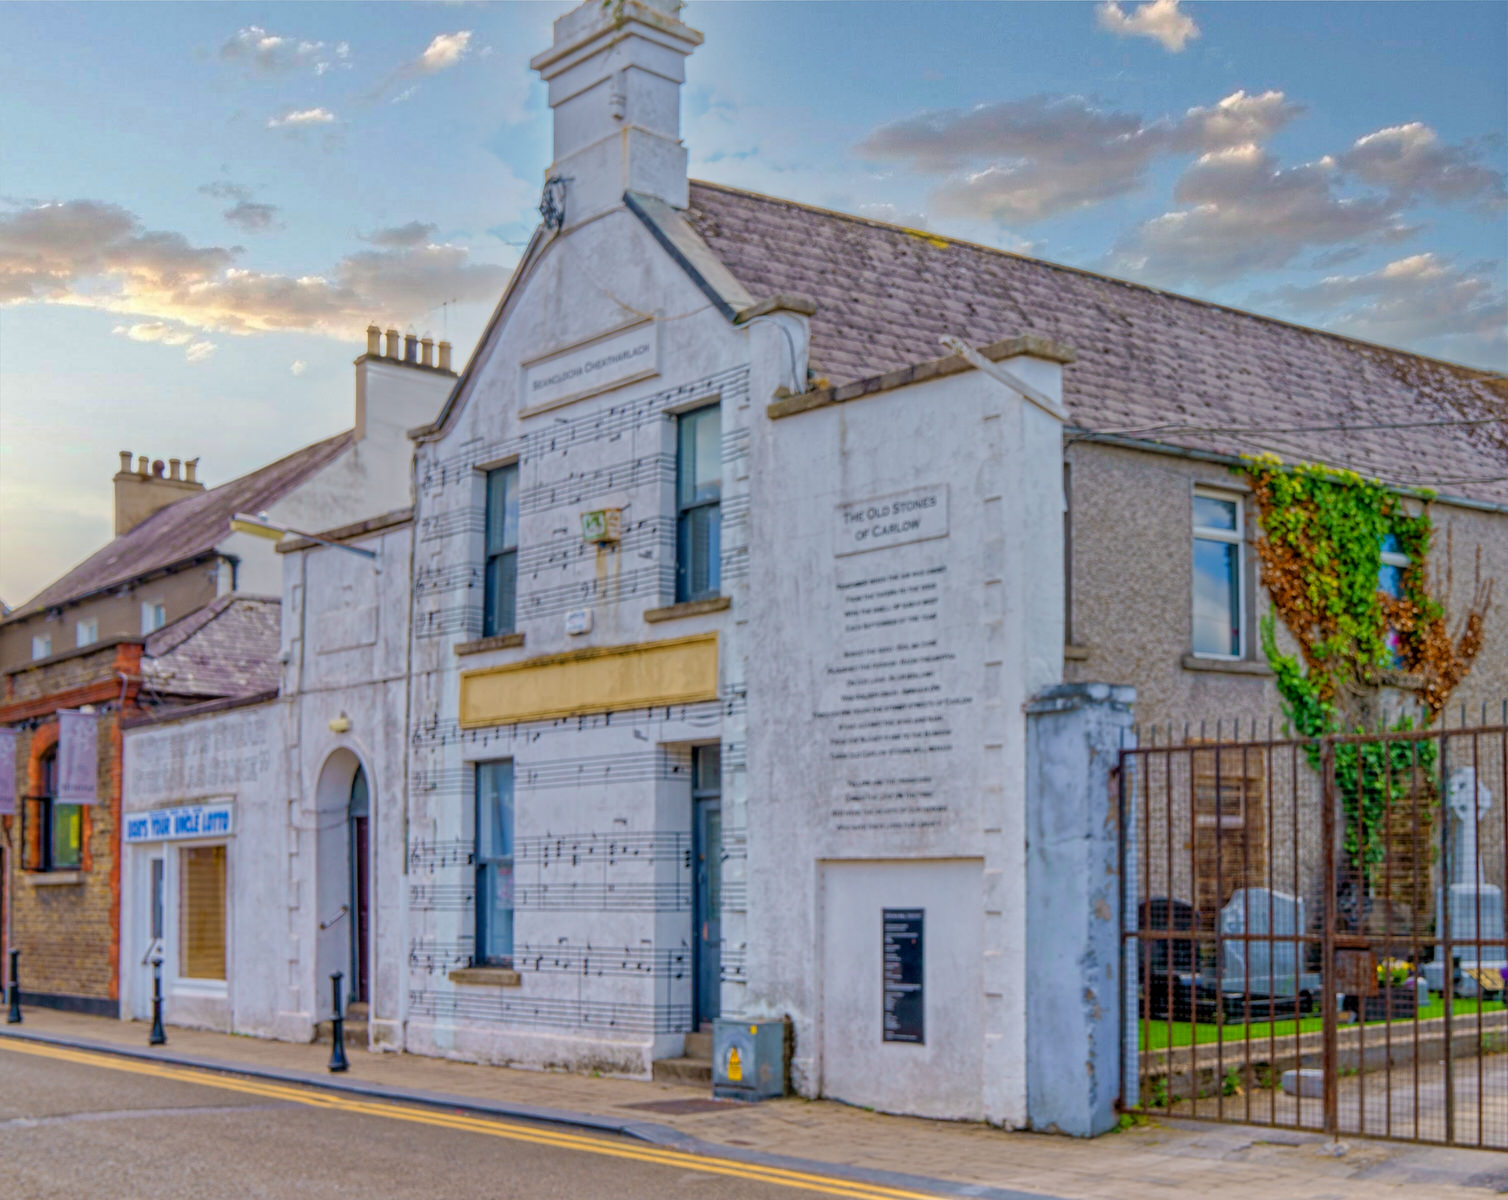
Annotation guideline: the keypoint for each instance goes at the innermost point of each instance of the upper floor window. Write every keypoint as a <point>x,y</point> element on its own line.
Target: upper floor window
<point>154,615</point>
<point>1219,569</point>
<point>54,839</point>
<point>86,633</point>
<point>41,645</point>
<point>494,864</point>
<point>500,571</point>
<point>698,501</point>
<point>1390,583</point>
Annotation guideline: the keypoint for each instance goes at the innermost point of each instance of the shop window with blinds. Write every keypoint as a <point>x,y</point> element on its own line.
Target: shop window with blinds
<point>201,912</point>
<point>54,836</point>
<point>500,577</point>
<point>698,499</point>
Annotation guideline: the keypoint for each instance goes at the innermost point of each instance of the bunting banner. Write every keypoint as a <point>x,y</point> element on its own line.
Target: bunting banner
<point>7,772</point>
<point>78,757</point>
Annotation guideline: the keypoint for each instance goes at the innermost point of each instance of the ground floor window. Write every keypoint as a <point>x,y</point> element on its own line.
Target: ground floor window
<point>494,863</point>
<point>55,832</point>
<point>201,915</point>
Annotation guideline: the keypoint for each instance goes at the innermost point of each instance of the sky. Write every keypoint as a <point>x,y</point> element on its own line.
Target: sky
<point>202,206</point>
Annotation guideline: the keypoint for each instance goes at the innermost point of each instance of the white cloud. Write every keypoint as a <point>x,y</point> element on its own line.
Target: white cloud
<point>199,351</point>
<point>89,254</point>
<point>270,53</point>
<point>1410,161</point>
<point>300,117</point>
<point>1027,160</point>
<point>1422,301</point>
<point>298,367</point>
<point>1241,212</point>
<point>1160,20</point>
<point>445,50</point>
<point>155,331</point>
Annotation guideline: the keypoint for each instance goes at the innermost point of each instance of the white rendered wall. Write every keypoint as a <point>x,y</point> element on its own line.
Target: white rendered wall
<point>581,783</point>
<point>885,709</point>
<point>235,756</point>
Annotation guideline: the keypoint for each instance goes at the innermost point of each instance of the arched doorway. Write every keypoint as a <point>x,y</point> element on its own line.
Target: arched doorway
<point>343,877</point>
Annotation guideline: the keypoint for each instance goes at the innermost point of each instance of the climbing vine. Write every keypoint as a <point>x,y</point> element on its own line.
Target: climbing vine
<point>1321,549</point>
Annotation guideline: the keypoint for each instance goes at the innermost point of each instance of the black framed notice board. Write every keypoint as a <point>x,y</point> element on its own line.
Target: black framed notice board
<point>903,953</point>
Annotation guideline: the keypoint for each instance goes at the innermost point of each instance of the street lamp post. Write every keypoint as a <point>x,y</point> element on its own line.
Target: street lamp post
<point>158,1035</point>
<point>14,1016</point>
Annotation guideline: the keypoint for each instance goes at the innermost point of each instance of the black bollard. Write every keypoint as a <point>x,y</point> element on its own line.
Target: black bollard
<point>337,1027</point>
<point>14,1016</point>
<point>158,1035</point>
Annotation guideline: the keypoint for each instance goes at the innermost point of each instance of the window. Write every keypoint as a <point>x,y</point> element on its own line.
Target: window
<point>698,499</point>
<point>54,841</point>
<point>1218,576</point>
<point>86,633</point>
<point>41,645</point>
<point>500,586</point>
<point>494,864</point>
<point>154,615</point>
<point>1390,583</point>
<point>201,912</point>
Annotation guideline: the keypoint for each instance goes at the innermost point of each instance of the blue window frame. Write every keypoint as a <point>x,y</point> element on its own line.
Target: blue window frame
<point>1394,562</point>
<point>494,864</point>
<point>698,498</point>
<point>500,580</point>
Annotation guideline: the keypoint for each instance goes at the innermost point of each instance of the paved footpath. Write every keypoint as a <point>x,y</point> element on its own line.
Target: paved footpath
<point>1173,1158</point>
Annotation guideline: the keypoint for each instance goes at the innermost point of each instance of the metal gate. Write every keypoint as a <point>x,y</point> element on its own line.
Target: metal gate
<point>1314,935</point>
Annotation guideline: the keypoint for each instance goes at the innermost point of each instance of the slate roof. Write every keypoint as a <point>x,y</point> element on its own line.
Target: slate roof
<point>227,648</point>
<point>186,528</point>
<point>1151,365</point>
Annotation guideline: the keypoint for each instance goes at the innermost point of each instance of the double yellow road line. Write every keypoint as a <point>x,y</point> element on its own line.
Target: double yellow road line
<point>492,1127</point>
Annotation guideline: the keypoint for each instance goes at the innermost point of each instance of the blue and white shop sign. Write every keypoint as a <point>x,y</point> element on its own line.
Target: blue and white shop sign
<point>188,821</point>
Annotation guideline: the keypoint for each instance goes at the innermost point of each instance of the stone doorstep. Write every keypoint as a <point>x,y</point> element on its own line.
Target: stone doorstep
<point>694,1067</point>
<point>356,1030</point>
<point>1293,1051</point>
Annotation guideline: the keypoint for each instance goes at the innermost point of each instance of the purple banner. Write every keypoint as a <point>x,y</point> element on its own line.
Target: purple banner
<point>78,757</point>
<point>7,772</point>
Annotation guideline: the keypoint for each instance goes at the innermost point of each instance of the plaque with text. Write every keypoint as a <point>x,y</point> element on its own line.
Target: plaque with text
<point>904,1001</point>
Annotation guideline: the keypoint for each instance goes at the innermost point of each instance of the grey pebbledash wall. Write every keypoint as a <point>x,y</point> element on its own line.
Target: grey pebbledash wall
<point>1073,895</point>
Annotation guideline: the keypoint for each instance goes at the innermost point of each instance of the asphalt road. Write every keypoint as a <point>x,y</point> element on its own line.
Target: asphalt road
<point>74,1124</point>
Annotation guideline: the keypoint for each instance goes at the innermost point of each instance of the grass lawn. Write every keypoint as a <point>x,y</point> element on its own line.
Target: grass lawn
<point>1154,1034</point>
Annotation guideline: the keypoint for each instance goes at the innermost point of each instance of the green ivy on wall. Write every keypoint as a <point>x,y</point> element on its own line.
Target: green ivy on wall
<point>1321,546</point>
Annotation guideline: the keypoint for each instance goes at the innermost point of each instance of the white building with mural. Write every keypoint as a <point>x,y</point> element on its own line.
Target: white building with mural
<point>718,672</point>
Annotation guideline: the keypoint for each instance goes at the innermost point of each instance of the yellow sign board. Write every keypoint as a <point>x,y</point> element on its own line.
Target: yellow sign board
<point>600,679</point>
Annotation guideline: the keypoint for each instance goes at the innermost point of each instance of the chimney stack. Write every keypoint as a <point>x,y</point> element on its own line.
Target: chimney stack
<point>394,345</point>
<point>411,348</point>
<point>150,487</point>
<point>615,74</point>
<point>427,351</point>
<point>444,348</point>
<point>374,341</point>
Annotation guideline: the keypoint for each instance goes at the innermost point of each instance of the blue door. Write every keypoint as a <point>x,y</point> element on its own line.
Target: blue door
<point>707,862</point>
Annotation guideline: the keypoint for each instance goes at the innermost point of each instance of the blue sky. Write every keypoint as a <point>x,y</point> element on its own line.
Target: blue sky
<point>202,205</point>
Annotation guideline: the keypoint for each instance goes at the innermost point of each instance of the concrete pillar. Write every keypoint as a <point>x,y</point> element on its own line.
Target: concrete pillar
<point>1074,971</point>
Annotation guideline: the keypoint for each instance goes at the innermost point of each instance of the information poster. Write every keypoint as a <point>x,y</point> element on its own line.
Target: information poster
<point>904,998</point>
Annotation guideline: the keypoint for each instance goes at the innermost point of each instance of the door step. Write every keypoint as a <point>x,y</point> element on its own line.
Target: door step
<point>356,1026</point>
<point>687,1070</point>
<point>699,1045</point>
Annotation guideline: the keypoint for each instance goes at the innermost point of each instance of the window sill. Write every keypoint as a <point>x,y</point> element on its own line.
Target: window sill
<point>1072,653</point>
<point>53,878</point>
<point>1225,666</point>
<point>688,608</point>
<point>486,977</point>
<point>499,641</point>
